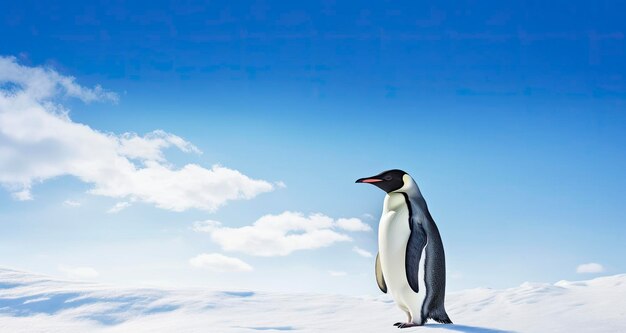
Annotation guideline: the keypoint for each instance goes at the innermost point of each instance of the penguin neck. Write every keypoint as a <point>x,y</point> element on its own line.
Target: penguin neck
<point>410,195</point>
<point>394,201</point>
<point>411,189</point>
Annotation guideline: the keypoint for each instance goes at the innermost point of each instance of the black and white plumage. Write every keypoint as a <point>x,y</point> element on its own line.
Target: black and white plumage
<point>410,264</point>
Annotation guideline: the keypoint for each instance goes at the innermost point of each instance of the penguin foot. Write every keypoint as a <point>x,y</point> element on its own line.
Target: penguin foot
<point>405,325</point>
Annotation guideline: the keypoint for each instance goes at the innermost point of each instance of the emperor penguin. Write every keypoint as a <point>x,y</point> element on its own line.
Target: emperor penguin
<point>410,263</point>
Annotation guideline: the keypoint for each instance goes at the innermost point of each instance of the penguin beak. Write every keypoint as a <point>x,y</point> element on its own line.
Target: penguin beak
<point>368,180</point>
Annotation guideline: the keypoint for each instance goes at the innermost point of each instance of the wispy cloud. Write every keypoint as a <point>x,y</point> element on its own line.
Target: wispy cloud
<point>362,252</point>
<point>79,273</point>
<point>150,146</point>
<point>22,195</point>
<point>279,235</point>
<point>219,263</point>
<point>119,207</point>
<point>591,267</point>
<point>337,273</point>
<point>206,226</point>
<point>71,203</point>
<point>40,141</point>
<point>39,84</point>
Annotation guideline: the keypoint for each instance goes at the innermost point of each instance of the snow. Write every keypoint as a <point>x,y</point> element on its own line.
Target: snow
<point>33,303</point>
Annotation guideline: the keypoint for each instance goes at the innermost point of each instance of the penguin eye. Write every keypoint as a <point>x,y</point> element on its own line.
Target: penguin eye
<point>387,177</point>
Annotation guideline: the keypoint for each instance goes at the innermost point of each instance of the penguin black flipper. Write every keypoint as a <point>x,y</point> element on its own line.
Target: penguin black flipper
<point>417,242</point>
<point>380,280</point>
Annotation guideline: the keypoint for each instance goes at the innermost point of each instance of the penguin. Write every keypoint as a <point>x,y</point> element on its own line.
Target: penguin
<point>410,263</point>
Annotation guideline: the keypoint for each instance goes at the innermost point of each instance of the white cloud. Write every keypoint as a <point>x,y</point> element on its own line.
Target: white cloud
<point>118,207</point>
<point>591,267</point>
<point>206,226</point>
<point>276,235</point>
<point>150,147</point>
<point>79,272</point>
<point>22,195</point>
<point>337,273</point>
<point>219,263</point>
<point>41,83</point>
<point>353,224</point>
<point>71,203</point>
<point>362,252</point>
<point>39,141</point>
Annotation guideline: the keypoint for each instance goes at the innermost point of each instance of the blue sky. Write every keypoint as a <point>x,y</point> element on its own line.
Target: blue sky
<point>510,116</point>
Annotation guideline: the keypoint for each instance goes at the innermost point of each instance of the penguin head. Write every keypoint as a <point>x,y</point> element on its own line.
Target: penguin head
<point>388,181</point>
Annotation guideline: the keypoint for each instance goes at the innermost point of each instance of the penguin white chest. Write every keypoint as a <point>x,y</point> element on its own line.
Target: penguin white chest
<point>393,236</point>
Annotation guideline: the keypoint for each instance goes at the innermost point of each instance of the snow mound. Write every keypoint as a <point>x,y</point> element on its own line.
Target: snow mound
<point>32,303</point>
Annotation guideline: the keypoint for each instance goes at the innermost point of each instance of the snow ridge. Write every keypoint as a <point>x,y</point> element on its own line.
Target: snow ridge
<point>34,303</point>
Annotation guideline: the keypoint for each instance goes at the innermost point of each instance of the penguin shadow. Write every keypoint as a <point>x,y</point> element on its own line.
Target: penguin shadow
<point>468,329</point>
